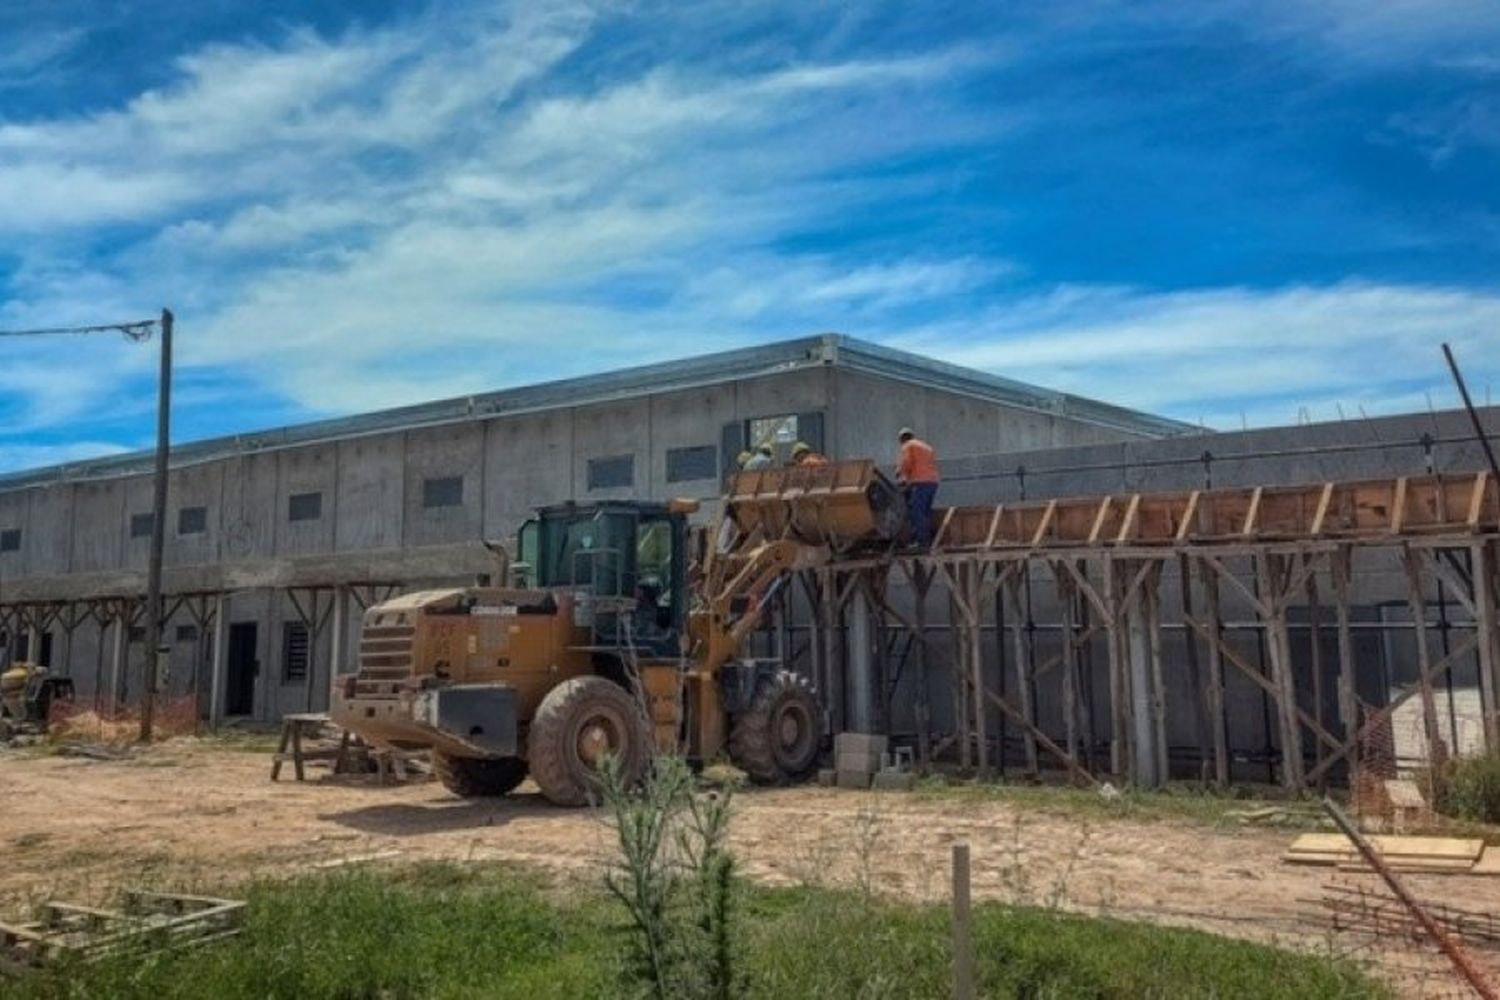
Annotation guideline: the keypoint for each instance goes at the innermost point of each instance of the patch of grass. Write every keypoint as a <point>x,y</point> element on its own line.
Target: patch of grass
<point>1469,789</point>
<point>1184,803</point>
<point>468,931</point>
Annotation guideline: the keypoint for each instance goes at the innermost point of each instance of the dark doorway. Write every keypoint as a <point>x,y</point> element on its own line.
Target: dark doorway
<point>44,655</point>
<point>241,667</point>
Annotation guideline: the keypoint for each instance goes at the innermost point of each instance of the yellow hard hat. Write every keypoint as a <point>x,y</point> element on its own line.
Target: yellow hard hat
<point>742,457</point>
<point>801,448</point>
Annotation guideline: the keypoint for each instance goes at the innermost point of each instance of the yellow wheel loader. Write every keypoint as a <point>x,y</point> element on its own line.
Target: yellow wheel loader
<point>615,641</point>
<point>26,697</point>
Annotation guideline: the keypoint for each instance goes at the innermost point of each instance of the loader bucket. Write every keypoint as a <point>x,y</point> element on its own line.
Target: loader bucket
<point>842,504</point>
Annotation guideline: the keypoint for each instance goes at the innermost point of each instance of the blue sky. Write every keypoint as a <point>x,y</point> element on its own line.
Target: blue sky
<point>1230,212</point>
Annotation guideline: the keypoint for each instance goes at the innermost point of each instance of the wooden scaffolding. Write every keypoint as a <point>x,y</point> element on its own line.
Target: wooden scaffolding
<point>1022,603</point>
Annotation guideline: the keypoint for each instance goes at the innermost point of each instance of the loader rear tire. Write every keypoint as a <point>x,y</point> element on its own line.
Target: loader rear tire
<point>478,777</point>
<point>776,739</point>
<point>579,722</point>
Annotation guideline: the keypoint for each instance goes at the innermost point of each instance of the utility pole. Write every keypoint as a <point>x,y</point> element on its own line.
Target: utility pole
<point>158,531</point>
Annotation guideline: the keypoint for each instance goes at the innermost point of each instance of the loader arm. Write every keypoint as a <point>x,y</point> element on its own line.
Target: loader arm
<point>718,634</point>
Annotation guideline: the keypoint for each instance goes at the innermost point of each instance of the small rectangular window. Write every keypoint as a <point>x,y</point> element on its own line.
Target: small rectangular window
<point>187,633</point>
<point>137,633</point>
<point>446,491</point>
<point>304,507</point>
<point>192,520</point>
<point>773,431</point>
<point>140,525</point>
<point>611,473</point>
<point>293,651</point>
<point>700,462</point>
<point>10,540</point>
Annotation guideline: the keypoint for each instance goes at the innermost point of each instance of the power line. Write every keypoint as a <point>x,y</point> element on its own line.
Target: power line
<point>136,330</point>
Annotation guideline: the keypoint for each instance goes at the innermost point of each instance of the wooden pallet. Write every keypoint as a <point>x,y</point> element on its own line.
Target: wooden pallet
<point>146,922</point>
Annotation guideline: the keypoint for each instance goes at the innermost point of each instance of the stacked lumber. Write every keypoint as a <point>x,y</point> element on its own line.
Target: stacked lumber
<point>1420,855</point>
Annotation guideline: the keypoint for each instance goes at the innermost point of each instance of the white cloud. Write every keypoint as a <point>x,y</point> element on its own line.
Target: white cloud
<point>1215,354</point>
<point>32,456</point>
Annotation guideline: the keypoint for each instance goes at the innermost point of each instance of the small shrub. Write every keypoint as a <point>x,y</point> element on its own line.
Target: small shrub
<point>675,877</point>
<point>1470,789</point>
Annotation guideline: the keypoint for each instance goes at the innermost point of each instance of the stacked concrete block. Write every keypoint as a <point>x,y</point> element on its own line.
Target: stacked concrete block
<point>857,757</point>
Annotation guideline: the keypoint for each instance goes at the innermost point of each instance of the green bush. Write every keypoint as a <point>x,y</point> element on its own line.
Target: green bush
<point>1471,789</point>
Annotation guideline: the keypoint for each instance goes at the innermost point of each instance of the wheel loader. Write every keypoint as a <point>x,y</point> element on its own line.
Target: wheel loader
<point>610,637</point>
<point>26,696</point>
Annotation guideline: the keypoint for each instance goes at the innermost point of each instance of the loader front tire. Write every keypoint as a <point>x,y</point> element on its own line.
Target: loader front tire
<point>776,739</point>
<point>578,724</point>
<point>478,777</point>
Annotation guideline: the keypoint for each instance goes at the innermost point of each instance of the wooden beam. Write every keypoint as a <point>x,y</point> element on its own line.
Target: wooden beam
<point>1418,603</point>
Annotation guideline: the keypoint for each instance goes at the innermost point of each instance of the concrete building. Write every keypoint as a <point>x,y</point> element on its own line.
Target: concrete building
<point>276,538</point>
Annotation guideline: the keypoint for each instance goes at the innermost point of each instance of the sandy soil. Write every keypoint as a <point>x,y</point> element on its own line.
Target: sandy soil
<point>190,812</point>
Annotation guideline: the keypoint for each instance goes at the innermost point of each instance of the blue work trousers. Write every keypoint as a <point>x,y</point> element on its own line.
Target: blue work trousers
<point>919,497</point>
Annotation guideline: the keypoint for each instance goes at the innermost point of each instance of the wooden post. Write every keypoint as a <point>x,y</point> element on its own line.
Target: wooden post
<point>1418,604</point>
<point>920,582</point>
<point>1278,647</point>
<point>834,693</point>
<point>1315,645</point>
<point>1065,597</point>
<point>118,654</point>
<point>1342,566</point>
<point>1151,607</point>
<point>973,576</point>
<point>1216,701</point>
<point>1481,568</point>
<point>961,699</point>
<point>1023,672</point>
<point>1195,669</point>
<point>963,933</point>
<point>1119,748</point>
<point>221,659</point>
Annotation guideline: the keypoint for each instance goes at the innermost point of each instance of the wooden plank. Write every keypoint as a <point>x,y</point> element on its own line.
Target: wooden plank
<point>1045,524</point>
<point>1392,845</point>
<point>1098,527</point>
<point>1398,507</point>
<point>1321,515</point>
<point>1185,525</point>
<point>1476,500</point>
<point>1128,522</point>
<point>989,538</point>
<point>1488,863</point>
<point>1252,513</point>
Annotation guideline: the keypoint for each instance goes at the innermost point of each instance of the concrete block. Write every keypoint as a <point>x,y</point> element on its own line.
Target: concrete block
<point>895,781</point>
<point>857,760</point>
<point>860,743</point>
<point>826,777</point>
<point>852,779</point>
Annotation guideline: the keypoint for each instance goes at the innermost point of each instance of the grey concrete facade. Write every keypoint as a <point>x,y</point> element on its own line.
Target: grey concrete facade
<point>295,527</point>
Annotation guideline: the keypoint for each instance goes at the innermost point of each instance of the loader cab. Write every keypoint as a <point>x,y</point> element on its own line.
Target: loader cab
<point>626,564</point>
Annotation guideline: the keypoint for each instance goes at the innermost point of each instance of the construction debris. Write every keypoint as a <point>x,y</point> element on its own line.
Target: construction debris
<point>147,922</point>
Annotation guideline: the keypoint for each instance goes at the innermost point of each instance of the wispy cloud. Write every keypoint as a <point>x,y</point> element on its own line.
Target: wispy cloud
<point>1221,355</point>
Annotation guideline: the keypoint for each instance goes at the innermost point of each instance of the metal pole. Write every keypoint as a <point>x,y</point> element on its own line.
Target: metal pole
<point>1463,390</point>
<point>158,528</point>
<point>1449,945</point>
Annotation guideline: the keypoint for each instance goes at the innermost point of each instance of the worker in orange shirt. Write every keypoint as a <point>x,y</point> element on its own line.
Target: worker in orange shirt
<point>918,474</point>
<point>803,454</point>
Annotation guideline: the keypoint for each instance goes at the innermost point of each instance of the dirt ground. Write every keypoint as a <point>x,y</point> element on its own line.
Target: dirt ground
<point>190,813</point>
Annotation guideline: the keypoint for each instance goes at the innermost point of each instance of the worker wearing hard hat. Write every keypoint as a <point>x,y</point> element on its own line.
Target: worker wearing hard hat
<point>761,459</point>
<point>918,474</point>
<point>803,454</point>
